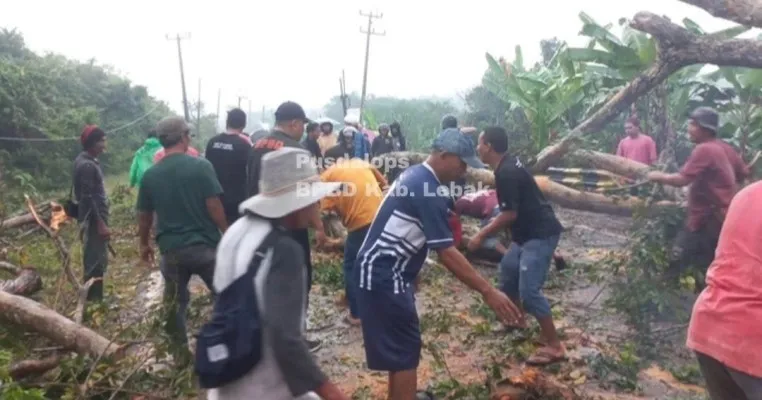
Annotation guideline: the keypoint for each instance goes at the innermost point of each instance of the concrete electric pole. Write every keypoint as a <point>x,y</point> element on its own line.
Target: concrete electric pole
<point>179,38</point>
<point>368,32</point>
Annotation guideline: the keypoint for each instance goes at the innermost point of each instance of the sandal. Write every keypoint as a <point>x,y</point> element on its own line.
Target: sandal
<point>544,356</point>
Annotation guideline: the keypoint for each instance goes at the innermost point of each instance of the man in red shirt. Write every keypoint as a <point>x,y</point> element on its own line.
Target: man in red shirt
<point>713,170</point>
<point>726,325</point>
<point>637,146</point>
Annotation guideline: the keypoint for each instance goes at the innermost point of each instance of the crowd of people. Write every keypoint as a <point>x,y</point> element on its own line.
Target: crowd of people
<point>240,218</point>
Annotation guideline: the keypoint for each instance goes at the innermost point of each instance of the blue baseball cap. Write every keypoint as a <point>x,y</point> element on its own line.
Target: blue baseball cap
<point>451,140</point>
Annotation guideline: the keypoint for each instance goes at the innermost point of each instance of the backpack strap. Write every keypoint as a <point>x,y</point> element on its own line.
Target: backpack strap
<point>269,241</point>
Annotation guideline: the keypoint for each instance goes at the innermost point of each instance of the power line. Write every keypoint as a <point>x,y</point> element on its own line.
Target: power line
<point>117,129</point>
<point>368,32</point>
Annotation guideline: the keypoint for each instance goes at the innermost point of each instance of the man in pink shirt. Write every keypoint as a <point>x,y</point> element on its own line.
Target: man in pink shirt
<point>637,146</point>
<point>726,325</point>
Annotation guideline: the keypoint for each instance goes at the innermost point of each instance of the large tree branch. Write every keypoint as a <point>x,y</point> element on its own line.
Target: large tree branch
<point>556,192</point>
<point>745,12</point>
<point>677,48</point>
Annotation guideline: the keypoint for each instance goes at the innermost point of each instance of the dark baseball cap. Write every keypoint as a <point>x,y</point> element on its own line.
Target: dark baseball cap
<point>290,111</point>
<point>706,117</point>
<point>452,141</point>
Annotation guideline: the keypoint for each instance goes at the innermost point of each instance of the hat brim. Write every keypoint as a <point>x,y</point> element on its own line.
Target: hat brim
<point>280,205</point>
<point>473,162</point>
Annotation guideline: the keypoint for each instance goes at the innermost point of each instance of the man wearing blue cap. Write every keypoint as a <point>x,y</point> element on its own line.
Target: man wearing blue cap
<point>413,219</point>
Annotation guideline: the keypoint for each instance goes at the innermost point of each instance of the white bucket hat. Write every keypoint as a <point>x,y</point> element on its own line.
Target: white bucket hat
<point>288,182</point>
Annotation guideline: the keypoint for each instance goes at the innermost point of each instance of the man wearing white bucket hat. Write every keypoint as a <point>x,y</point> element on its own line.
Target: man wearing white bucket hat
<point>287,200</point>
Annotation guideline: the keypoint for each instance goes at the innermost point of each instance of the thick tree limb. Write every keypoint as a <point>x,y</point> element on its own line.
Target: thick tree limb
<point>677,48</point>
<point>63,252</point>
<point>54,326</point>
<point>609,162</point>
<point>26,283</point>
<point>745,12</point>
<point>558,193</point>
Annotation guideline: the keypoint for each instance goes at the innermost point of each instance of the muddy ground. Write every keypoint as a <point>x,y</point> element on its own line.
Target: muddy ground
<point>466,354</point>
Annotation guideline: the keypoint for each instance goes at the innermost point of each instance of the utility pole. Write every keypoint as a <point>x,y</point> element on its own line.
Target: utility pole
<point>368,32</point>
<point>217,124</point>
<point>343,93</point>
<point>198,110</point>
<point>178,38</point>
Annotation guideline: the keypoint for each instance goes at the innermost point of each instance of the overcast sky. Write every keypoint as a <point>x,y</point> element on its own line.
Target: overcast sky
<point>272,51</point>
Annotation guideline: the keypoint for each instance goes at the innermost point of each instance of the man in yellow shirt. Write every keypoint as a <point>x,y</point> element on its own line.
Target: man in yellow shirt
<point>357,205</point>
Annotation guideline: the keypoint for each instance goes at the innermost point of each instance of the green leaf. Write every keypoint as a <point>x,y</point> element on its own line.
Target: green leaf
<point>731,32</point>
<point>693,27</point>
<point>608,40</point>
<point>519,61</point>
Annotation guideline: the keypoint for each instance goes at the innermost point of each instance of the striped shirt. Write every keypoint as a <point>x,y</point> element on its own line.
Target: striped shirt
<point>411,220</point>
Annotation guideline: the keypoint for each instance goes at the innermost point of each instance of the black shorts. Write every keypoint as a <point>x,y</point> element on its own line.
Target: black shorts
<point>390,329</point>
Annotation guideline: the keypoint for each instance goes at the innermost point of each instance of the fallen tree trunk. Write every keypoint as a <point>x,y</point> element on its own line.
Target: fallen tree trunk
<point>26,283</point>
<point>557,193</point>
<point>677,48</point>
<point>612,163</point>
<point>51,212</point>
<point>15,222</point>
<point>595,202</point>
<point>745,12</point>
<point>54,326</point>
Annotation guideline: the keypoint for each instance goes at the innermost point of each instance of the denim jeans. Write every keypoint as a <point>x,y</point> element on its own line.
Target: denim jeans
<point>177,268</point>
<point>351,248</point>
<point>523,271</point>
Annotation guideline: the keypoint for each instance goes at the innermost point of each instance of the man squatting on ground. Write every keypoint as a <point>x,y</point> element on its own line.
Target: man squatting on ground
<point>410,222</point>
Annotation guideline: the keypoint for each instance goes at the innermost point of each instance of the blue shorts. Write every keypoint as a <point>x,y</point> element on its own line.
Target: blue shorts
<point>390,329</point>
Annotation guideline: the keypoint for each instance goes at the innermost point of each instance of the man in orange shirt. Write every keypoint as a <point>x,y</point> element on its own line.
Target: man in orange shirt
<point>726,325</point>
<point>357,205</point>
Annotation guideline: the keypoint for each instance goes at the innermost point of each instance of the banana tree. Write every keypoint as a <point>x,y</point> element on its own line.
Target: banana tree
<point>544,94</point>
<point>742,113</point>
<point>612,61</point>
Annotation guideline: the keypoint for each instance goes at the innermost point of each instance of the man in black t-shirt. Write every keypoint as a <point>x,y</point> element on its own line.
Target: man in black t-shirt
<point>289,128</point>
<point>535,232</point>
<point>229,152</point>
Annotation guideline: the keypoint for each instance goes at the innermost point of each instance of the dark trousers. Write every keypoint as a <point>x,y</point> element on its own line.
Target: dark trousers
<point>694,249</point>
<point>725,383</point>
<point>177,268</point>
<point>351,248</point>
<point>94,258</point>
<point>302,236</point>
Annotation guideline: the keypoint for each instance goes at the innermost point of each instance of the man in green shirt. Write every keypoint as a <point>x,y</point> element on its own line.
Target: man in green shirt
<point>184,193</point>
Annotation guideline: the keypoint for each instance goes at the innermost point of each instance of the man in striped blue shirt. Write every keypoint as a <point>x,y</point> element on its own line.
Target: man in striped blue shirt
<point>413,219</point>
